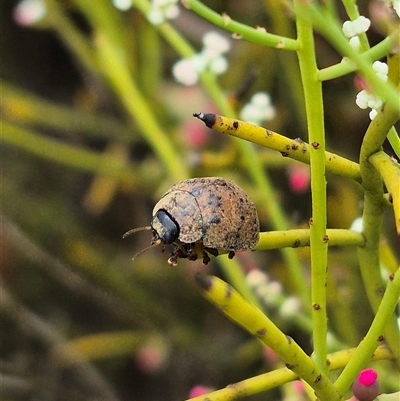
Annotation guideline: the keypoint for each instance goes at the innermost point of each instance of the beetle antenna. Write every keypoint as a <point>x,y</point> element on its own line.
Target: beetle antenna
<point>158,242</point>
<point>134,230</point>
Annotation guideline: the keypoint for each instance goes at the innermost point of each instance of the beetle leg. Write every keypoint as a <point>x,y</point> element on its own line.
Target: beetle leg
<point>206,258</point>
<point>212,251</point>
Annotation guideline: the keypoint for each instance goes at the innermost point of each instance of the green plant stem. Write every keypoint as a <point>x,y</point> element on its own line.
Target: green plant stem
<point>390,172</point>
<point>301,237</point>
<point>233,306</point>
<point>113,62</point>
<point>293,148</point>
<point>373,218</point>
<point>140,111</point>
<point>347,66</point>
<point>316,133</point>
<point>287,61</point>
<point>352,12</point>
<point>331,30</point>
<point>394,140</point>
<point>374,336</point>
<point>278,377</point>
<point>246,33</point>
<point>23,107</point>
<point>65,154</point>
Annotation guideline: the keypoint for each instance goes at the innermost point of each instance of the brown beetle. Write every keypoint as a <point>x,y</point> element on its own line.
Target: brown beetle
<point>203,216</point>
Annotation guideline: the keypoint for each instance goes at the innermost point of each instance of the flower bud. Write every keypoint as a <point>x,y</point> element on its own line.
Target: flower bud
<point>366,386</point>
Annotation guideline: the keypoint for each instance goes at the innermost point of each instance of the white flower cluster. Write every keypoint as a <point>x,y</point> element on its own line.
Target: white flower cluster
<point>352,29</point>
<point>366,99</point>
<point>122,5</point>
<point>271,293</point>
<point>211,58</point>
<point>259,109</point>
<point>29,12</point>
<point>356,27</point>
<point>161,10</point>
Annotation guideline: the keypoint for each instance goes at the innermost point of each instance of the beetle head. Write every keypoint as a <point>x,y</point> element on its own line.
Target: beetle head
<point>165,228</point>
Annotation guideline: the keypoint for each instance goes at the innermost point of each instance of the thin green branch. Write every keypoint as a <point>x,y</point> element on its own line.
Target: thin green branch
<point>390,172</point>
<point>67,155</point>
<point>113,62</point>
<point>293,148</point>
<point>301,237</point>
<point>373,217</point>
<point>331,30</point>
<point>394,140</point>
<point>246,315</point>
<point>374,337</point>
<point>23,107</point>
<point>316,133</point>
<point>245,32</point>
<point>347,66</point>
<point>278,377</point>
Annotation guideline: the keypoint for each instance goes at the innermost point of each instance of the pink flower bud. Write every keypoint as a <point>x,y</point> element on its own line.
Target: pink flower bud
<point>299,178</point>
<point>366,386</point>
<point>199,390</point>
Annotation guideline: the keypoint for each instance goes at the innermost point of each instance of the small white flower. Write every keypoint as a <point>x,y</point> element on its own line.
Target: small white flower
<point>155,16</point>
<point>356,27</point>
<point>348,29</point>
<point>209,58</point>
<point>259,109</point>
<point>185,72</point>
<point>261,99</point>
<point>357,225</point>
<point>172,11</point>
<point>219,65</point>
<point>375,102</point>
<point>290,307</point>
<point>275,288</point>
<point>355,42</point>
<point>215,41</point>
<point>381,70</point>
<point>29,12</point>
<point>251,114</point>
<point>372,114</point>
<point>362,99</point>
<point>256,278</point>
<point>366,99</point>
<point>161,10</point>
<point>122,5</point>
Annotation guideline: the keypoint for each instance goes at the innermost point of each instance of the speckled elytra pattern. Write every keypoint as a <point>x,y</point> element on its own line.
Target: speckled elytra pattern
<point>213,211</point>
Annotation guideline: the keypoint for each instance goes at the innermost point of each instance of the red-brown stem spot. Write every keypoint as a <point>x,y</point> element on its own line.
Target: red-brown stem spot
<point>315,145</point>
<point>261,333</point>
<point>325,239</point>
<point>316,307</point>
